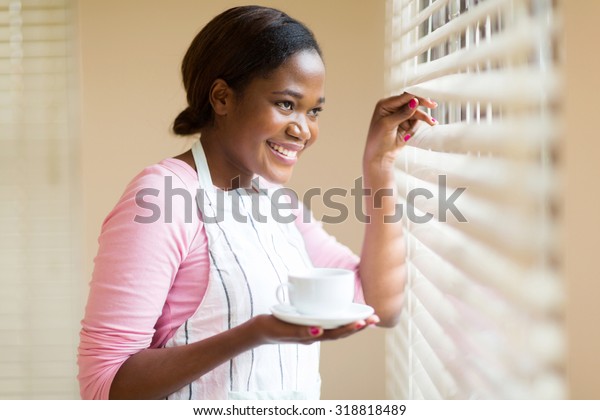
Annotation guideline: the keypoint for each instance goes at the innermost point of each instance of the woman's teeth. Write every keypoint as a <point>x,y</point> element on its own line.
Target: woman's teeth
<point>283,150</point>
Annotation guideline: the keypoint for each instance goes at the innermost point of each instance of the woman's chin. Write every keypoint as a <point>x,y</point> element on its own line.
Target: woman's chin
<point>278,178</point>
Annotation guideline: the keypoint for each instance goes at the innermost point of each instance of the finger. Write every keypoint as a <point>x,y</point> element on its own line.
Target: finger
<point>406,130</point>
<point>427,102</point>
<point>372,320</point>
<point>402,114</point>
<point>393,103</point>
<point>315,331</point>
<point>423,116</point>
<point>407,126</point>
<point>344,331</point>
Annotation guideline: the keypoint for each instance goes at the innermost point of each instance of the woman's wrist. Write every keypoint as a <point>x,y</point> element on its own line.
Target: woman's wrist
<point>378,174</point>
<point>253,332</point>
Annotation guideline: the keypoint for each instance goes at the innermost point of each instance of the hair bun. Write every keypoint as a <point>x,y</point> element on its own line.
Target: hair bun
<point>186,123</point>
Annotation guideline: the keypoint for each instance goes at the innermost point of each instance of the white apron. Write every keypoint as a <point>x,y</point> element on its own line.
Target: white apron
<point>248,260</point>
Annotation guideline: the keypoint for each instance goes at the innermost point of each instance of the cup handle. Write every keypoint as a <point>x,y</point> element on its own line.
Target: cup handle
<point>280,294</point>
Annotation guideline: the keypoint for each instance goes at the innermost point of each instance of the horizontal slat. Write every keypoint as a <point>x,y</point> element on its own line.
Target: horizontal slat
<point>518,233</point>
<point>513,89</point>
<point>40,369</point>
<point>522,39</point>
<point>536,289</point>
<point>425,328</point>
<point>33,65</point>
<point>39,49</point>
<point>396,360</point>
<point>33,4</point>
<point>494,178</point>
<point>513,137</point>
<point>454,284</point>
<point>422,16</point>
<point>56,81</point>
<point>36,116</point>
<point>423,376</point>
<point>35,388</point>
<point>497,365</point>
<point>31,16</point>
<point>444,285</point>
<point>39,338</point>
<point>33,33</point>
<point>35,131</point>
<point>476,14</point>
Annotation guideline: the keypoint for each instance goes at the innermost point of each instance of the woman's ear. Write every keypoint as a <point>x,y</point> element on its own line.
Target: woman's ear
<point>220,97</point>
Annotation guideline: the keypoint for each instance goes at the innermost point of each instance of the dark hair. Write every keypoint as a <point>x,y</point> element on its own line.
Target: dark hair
<point>236,46</point>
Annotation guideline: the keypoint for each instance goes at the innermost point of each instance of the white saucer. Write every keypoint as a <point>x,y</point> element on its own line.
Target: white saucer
<point>289,314</point>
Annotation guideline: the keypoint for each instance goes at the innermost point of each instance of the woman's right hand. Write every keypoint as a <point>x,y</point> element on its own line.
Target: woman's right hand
<point>271,330</point>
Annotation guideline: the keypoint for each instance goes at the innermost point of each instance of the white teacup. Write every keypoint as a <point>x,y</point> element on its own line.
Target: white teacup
<point>319,291</point>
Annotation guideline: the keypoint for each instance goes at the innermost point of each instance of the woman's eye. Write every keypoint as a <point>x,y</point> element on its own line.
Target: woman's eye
<point>315,112</point>
<point>286,105</point>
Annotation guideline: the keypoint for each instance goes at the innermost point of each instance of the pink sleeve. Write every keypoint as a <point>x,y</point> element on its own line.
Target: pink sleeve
<point>325,251</point>
<point>134,270</point>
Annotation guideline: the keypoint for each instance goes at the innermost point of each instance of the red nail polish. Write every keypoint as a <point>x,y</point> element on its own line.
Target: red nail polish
<point>407,137</point>
<point>413,103</point>
<point>433,120</point>
<point>314,331</point>
<point>360,325</point>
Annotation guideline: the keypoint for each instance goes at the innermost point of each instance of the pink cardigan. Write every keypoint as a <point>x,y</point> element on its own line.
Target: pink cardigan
<point>149,278</point>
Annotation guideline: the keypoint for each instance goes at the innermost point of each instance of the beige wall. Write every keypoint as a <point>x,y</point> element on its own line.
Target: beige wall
<point>130,56</point>
<point>581,153</point>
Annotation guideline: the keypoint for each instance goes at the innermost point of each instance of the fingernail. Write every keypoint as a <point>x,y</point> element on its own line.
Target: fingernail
<point>407,137</point>
<point>413,103</point>
<point>314,331</point>
<point>433,120</point>
<point>360,324</point>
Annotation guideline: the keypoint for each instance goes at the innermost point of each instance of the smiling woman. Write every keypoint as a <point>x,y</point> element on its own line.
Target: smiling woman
<point>264,129</point>
<point>182,309</point>
<point>130,61</point>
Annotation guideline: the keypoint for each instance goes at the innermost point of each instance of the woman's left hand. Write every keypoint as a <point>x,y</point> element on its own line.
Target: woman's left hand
<point>392,125</point>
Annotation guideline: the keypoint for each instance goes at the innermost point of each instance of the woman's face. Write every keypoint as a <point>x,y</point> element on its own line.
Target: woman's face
<point>269,126</point>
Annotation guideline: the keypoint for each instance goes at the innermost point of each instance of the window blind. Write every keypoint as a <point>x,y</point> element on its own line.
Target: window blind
<point>484,299</point>
<point>39,297</point>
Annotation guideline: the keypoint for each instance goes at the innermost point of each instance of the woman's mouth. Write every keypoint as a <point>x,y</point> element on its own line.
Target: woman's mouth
<point>282,151</point>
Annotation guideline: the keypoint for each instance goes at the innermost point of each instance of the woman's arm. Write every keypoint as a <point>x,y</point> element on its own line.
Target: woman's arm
<point>382,263</point>
<point>156,373</point>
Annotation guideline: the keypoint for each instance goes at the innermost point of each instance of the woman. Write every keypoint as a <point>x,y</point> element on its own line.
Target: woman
<point>178,306</point>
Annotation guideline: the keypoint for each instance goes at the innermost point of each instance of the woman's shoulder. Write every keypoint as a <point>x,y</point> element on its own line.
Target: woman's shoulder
<point>164,190</point>
<point>172,172</point>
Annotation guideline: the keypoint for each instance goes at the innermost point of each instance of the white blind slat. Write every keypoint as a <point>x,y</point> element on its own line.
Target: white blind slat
<point>526,87</point>
<point>519,42</point>
<point>515,138</point>
<point>461,23</point>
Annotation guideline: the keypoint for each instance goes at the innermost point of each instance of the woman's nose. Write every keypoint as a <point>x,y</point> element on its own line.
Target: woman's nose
<point>299,130</point>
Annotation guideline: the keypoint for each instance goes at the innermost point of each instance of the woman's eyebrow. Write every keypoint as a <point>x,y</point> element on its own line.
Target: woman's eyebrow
<point>295,94</point>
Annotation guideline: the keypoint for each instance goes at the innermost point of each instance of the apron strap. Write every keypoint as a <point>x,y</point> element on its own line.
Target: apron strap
<point>204,177</point>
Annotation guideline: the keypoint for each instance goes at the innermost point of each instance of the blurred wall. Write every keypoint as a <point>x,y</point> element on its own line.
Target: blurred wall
<point>131,91</point>
<point>580,155</point>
